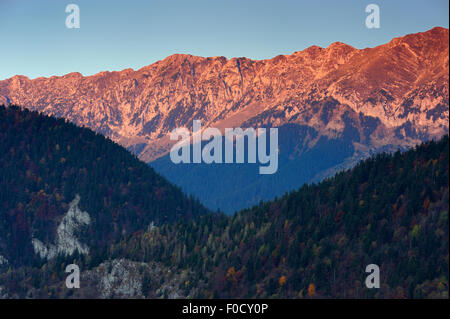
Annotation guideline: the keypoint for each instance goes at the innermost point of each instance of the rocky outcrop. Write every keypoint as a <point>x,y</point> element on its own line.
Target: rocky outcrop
<point>3,261</point>
<point>66,240</point>
<point>123,278</point>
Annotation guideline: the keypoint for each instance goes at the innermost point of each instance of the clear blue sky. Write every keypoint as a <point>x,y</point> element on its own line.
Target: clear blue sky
<point>115,35</point>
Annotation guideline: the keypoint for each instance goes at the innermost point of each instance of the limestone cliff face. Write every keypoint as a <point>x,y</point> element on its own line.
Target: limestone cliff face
<point>67,242</point>
<point>402,84</point>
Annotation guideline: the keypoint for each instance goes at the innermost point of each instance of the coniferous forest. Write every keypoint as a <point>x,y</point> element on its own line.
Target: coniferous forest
<point>390,210</point>
<point>45,162</point>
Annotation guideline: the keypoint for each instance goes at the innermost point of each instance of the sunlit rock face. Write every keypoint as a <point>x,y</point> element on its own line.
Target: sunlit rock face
<point>402,84</point>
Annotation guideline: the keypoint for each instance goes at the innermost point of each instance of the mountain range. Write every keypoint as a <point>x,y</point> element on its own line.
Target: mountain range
<point>333,106</point>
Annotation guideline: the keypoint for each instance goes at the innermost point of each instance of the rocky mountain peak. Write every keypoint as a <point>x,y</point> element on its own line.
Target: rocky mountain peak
<point>403,81</point>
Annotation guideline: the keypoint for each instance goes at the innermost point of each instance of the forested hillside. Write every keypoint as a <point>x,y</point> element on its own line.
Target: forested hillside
<point>390,210</point>
<point>45,162</point>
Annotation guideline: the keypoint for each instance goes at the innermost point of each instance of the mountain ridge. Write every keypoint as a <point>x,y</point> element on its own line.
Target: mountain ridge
<point>139,108</point>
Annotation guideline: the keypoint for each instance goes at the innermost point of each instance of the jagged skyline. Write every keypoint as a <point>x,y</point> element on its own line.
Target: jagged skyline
<point>109,39</point>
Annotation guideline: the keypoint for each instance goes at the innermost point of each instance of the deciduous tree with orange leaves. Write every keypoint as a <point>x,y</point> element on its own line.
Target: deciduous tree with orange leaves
<point>311,290</point>
<point>282,281</point>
